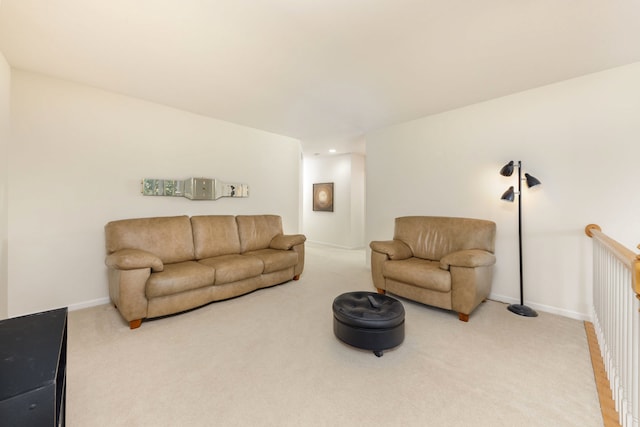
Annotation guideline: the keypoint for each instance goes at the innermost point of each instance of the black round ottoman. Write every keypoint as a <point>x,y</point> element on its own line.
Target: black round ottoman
<point>368,320</point>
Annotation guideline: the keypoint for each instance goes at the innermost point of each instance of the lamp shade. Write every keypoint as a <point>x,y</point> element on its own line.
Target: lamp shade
<point>507,169</point>
<point>532,181</point>
<point>509,195</point>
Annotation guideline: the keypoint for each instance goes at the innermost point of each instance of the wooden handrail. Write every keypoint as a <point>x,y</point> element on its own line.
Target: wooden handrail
<point>625,255</point>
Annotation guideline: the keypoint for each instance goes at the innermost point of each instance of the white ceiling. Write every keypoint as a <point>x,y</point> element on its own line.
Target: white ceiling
<point>322,71</point>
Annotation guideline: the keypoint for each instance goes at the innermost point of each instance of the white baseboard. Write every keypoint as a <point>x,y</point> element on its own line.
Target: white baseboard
<point>507,300</point>
<point>87,304</point>
<point>331,245</point>
<point>546,308</point>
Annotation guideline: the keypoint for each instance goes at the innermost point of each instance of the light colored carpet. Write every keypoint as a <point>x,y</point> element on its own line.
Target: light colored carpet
<point>270,359</point>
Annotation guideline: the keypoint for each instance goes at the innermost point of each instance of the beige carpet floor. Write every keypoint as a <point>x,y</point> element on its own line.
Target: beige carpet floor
<point>270,358</point>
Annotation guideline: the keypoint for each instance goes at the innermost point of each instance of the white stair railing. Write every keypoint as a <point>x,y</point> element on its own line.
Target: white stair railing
<point>616,319</point>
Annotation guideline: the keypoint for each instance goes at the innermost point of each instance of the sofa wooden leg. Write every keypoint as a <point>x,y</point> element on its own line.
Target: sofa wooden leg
<point>135,324</point>
<point>296,277</point>
<point>463,317</point>
<point>381,291</point>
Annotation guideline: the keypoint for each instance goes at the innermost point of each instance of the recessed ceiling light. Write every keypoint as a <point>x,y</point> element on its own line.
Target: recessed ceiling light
<point>333,150</point>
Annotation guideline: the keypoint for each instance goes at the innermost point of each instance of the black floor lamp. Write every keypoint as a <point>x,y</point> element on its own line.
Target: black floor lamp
<point>509,195</point>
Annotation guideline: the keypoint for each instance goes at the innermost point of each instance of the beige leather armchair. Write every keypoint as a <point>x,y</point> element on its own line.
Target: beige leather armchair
<point>445,262</point>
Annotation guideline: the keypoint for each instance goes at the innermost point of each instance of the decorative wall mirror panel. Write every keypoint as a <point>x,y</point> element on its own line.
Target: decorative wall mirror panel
<point>193,188</point>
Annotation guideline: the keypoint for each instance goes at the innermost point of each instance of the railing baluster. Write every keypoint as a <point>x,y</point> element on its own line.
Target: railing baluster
<point>616,320</point>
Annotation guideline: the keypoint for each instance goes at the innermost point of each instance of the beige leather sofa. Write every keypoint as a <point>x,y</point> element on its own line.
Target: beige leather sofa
<point>164,265</point>
<point>440,261</point>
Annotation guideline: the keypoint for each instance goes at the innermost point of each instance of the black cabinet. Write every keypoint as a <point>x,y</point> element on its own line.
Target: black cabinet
<point>33,365</point>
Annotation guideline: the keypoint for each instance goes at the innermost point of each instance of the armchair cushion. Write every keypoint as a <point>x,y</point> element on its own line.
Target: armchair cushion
<point>434,237</point>
<point>419,272</point>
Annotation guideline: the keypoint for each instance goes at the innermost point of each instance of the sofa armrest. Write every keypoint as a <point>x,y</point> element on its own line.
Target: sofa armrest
<point>394,249</point>
<point>468,258</point>
<point>131,259</point>
<point>287,241</point>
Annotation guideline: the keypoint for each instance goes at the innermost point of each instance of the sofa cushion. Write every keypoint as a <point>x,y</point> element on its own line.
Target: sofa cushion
<point>431,237</point>
<point>257,231</point>
<point>418,272</point>
<point>215,235</point>
<point>274,259</point>
<point>169,238</point>
<point>179,277</point>
<point>231,268</point>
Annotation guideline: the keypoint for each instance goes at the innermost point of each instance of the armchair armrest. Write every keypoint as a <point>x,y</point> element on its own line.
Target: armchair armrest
<point>394,249</point>
<point>131,259</point>
<point>287,241</point>
<point>468,258</point>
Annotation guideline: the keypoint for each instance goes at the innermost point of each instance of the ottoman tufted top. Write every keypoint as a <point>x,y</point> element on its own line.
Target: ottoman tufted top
<point>368,310</point>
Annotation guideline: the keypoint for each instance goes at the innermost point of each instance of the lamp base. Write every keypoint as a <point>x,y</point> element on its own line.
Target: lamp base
<point>522,310</point>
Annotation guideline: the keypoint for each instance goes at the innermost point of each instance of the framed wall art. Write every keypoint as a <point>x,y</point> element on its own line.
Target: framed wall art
<point>323,197</point>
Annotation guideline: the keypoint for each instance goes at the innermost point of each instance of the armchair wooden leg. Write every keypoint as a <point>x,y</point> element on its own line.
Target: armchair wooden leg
<point>381,291</point>
<point>296,277</point>
<point>463,317</point>
<point>135,324</point>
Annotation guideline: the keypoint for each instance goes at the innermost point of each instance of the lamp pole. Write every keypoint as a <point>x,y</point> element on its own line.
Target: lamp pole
<point>521,309</point>
<point>520,229</point>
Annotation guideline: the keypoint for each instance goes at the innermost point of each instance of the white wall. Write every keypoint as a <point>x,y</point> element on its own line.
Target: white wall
<point>76,159</point>
<point>358,184</point>
<point>344,227</point>
<point>5,82</point>
<point>580,137</point>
